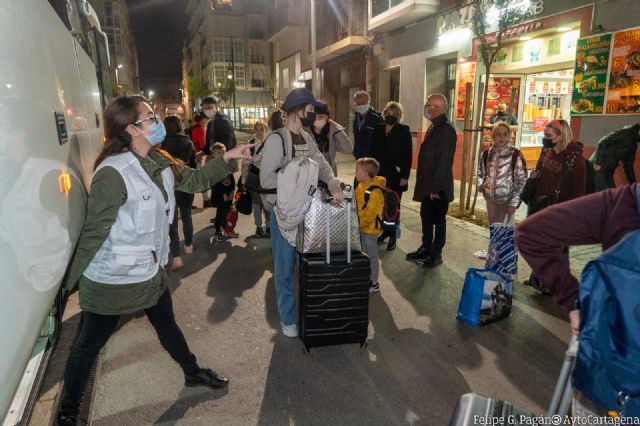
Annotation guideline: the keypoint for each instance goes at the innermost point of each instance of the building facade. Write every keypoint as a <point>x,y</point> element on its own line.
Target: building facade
<point>114,20</point>
<point>228,42</point>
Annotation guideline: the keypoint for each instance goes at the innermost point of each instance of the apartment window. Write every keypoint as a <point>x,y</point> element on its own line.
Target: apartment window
<point>380,6</point>
<point>222,50</point>
<point>554,47</point>
<point>516,53</point>
<point>240,81</point>
<point>257,59</point>
<point>220,73</point>
<point>257,79</point>
<point>450,86</point>
<point>394,85</point>
<point>115,41</point>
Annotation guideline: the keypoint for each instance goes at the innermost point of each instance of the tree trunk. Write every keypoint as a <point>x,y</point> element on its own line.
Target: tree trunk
<point>480,144</point>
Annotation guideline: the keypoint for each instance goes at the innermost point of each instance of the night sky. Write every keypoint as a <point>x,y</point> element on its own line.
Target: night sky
<point>159,28</point>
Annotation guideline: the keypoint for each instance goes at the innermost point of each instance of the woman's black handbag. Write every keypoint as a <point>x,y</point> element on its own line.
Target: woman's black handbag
<point>243,205</point>
<point>529,190</point>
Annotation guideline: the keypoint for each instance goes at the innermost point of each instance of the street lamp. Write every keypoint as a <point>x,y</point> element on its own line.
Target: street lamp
<point>151,93</point>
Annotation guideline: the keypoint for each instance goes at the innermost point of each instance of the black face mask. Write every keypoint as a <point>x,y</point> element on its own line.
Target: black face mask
<point>309,119</point>
<point>548,143</point>
<point>390,120</point>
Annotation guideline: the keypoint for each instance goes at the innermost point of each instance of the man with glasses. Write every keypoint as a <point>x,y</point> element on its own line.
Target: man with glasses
<point>434,181</point>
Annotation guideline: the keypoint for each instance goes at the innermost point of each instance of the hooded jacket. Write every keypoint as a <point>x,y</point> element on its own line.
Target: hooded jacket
<point>618,146</point>
<point>498,181</point>
<point>370,218</point>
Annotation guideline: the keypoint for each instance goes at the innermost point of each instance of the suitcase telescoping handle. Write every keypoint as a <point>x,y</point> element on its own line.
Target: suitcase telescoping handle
<point>563,392</point>
<point>348,200</point>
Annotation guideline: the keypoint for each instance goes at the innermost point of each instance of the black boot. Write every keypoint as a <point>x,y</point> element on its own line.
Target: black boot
<point>392,243</point>
<point>206,377</point>
<point>419,255</point>
<point>433,261</point>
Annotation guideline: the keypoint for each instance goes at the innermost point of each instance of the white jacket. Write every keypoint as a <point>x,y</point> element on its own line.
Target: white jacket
<point>138,243</point>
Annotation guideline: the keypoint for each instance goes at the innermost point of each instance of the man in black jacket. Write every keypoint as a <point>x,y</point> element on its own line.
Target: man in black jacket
<point>617,146</point>
<point>219,129</point>
<point>365,119</point>
<point>434,181</point>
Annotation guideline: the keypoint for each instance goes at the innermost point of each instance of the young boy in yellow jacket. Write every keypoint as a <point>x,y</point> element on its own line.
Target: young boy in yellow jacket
<point>370,202</point>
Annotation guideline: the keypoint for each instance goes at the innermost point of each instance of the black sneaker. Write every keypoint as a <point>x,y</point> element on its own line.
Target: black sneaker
<point>432,261</point>
<point>535,284</point>
<point>419,255</point>
<point>267,233</point>
<point>206,377</point>
<point>381,239</point>
<point>374,288</point>
<point>392,244</point>
<point>259,232</point>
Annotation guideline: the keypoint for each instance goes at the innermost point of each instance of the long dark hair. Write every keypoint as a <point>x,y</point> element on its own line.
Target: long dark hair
<point>275,121</point>
<point>118,115</point>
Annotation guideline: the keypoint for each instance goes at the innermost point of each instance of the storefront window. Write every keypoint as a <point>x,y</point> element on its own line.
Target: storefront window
<point>547,97</point>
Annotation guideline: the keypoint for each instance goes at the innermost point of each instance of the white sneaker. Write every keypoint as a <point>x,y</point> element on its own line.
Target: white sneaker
<point>289,330</point>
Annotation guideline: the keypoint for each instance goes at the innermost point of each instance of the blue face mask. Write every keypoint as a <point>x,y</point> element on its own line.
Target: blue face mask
<point>158,133</point>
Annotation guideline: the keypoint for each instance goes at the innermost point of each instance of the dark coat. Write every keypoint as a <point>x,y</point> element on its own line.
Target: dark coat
<point>363,135</point>
<point>435,160</point>
<point>220,129</point>
<point>394,153</point>
<point>180,147</point>
<point>618,146</point>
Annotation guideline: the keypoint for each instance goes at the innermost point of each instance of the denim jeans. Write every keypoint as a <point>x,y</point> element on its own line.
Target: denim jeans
<point>284,257</point>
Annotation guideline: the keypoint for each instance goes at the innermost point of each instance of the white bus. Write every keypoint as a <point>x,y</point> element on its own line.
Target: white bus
<point>54,81</point>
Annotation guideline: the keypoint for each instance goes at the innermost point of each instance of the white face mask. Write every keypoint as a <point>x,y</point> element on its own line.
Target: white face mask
<point>362,109</point>
<point>209,113</point>
<point>319,124</point>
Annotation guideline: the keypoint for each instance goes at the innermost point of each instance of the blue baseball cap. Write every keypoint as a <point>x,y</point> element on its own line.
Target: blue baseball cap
<point>300,96</point>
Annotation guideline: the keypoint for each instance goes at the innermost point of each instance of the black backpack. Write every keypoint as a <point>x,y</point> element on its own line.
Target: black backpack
<point>390,211</point>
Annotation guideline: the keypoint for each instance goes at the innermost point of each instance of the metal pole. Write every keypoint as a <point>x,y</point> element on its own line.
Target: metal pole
<point>233,81</point>
<point>313,47</point>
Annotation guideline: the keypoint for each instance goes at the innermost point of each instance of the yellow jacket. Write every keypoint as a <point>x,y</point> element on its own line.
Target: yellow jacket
<point>370,218</point>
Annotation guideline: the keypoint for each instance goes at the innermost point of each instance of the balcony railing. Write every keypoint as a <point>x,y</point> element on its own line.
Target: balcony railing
<point>331,30</point>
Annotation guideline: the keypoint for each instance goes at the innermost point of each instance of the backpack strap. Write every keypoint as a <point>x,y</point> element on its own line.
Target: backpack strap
<point>514,162</point>
<point>485,159</point>
<point>367,194</point>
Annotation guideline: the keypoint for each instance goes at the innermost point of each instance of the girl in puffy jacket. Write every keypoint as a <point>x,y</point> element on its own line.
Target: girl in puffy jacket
<point>502,174</point>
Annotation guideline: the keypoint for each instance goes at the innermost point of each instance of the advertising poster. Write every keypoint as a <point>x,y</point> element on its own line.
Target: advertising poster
<point>465,74</point>
<point>623,96</point>
<point>590,75</point>
<point>500,92</point>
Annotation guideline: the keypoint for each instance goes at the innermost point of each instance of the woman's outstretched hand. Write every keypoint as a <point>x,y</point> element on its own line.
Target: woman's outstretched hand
<point>240,152</point>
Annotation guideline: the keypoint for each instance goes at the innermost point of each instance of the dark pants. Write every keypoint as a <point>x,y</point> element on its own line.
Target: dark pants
<point>187,229</point>
<point>96,329</point>
<point>604,179</point>
<point>221,214</point>
<point>434,218</point>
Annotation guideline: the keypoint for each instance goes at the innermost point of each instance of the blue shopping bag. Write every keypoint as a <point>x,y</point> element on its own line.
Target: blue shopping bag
<point>486,297</point>
<point>502,255</point>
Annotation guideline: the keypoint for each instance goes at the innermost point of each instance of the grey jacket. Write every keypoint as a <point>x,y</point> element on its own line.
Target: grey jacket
<point>497,181</point>
<point>338,142</point>
<point>273,160</point>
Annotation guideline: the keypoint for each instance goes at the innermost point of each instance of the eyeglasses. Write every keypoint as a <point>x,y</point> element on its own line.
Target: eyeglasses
<point>151,117</point>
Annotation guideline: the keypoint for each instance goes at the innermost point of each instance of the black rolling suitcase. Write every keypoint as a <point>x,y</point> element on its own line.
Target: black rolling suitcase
<point>334,295</point>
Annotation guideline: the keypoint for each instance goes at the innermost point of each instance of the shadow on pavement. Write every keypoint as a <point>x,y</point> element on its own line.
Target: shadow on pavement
<point>396,380</point>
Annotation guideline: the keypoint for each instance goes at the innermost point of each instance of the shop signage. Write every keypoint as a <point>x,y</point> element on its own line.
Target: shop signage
<point>463,16</point>
<point>590,75</point>
<point>607,74</point>
<point>539,123</point>
<point>623,96</point>
<point>500,92</point>
<point>465,74</point>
